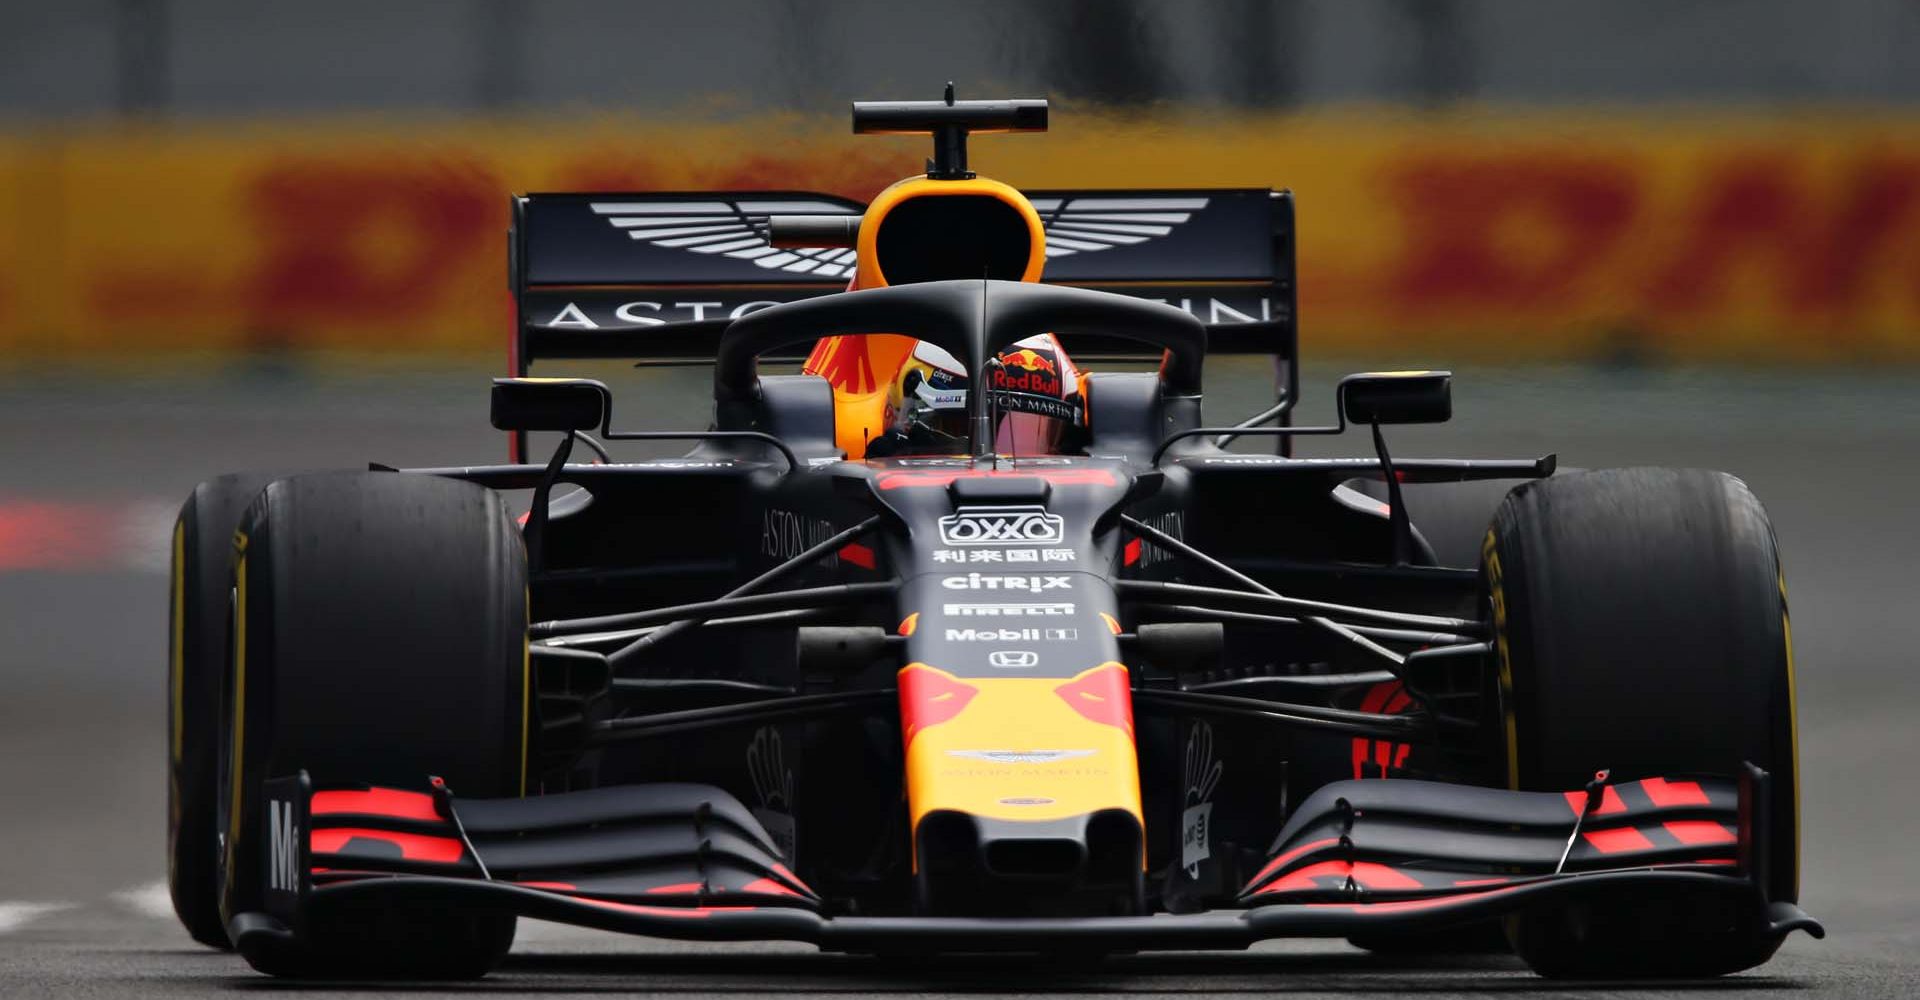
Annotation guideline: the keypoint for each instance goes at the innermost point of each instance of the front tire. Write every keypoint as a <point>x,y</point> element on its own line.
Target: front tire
<point>380,638</point>
<point>1641,626</point>
<point>202,591</point>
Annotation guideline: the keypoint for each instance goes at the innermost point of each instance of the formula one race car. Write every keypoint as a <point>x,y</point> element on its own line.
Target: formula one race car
<point>947,645</point>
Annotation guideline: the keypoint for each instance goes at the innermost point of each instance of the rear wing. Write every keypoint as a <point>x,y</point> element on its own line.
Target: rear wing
<point>655,277</point>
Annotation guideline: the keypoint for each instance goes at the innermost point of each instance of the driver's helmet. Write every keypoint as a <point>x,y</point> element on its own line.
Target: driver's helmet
<point>1036,401</point>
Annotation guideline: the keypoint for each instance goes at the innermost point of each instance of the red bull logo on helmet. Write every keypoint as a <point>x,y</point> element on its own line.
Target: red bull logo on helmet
<point>1030,359</point>
<point>1027,370</point>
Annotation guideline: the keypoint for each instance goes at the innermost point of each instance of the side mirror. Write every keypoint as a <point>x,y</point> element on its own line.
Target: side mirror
<point>1397,397</point>
<point>550,404</point>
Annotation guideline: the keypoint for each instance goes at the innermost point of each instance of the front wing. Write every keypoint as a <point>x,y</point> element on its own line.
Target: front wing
<point>689,861</point>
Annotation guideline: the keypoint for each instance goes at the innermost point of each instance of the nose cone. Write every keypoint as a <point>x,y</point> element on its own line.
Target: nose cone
<point>1017,785</point>
<point>1089,864</point>
<point>1023,785</point>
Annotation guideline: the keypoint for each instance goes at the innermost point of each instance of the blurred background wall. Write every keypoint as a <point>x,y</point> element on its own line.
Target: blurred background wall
<point>1657,179</point>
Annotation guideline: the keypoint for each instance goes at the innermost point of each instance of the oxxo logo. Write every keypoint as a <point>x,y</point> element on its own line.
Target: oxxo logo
<point>975,581</point>
<point>1013,659</point>
<point>1028,524</point>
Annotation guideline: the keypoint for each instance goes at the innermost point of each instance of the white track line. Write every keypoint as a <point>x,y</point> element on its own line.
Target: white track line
<point>151,900</point>
<point>14,916</point>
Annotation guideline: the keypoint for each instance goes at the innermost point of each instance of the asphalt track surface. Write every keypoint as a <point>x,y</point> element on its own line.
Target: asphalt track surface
<point>92,469</point>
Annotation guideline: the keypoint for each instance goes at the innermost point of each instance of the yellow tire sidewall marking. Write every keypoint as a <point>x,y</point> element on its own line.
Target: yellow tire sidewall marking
<point>236,762</point>
<point>1490,557</point>
<point>1793,720</point>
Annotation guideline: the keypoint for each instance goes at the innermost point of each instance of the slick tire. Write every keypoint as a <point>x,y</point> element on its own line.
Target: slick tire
<point>202,594</point>
<point>1641,626</point>
<point>380,638</point>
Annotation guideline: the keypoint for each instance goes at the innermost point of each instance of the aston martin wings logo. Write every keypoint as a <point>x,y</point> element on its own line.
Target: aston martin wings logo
<point>728,228</point>
<point>1083,225</point>
<point>1020,756</point>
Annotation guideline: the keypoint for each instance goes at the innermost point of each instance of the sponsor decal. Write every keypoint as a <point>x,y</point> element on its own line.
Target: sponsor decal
<point>1022,524</point>
<point>1013,659</point>
<point>1047,772</point>
<point>643,312</point>
<point>728,228</point>
<point>1004,556</point>
<point>1042,406</point>
<point>773,788</point>
<point>1237,309</point>
<point>1026,801</point>
<point>1196,821</point>
<point>615,313</point>
<point>1021,756</point>
<point>1173,523</point>
<point>939,389</point>
<point>283,847</point>
<point>674,463</point>
<point>976,581</point>
<point>785,534</point>
<point>1085,225</point>
<point>1028,359</point>
<point>941,399</point>
<point>1062,609</point>
<point>1013,635</point>
<point>1025,371</point>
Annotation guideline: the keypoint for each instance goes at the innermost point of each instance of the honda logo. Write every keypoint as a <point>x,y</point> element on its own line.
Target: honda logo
<point>1013,659</point>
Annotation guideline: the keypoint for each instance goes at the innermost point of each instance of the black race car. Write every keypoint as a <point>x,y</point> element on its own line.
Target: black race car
<point>855,672</point>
